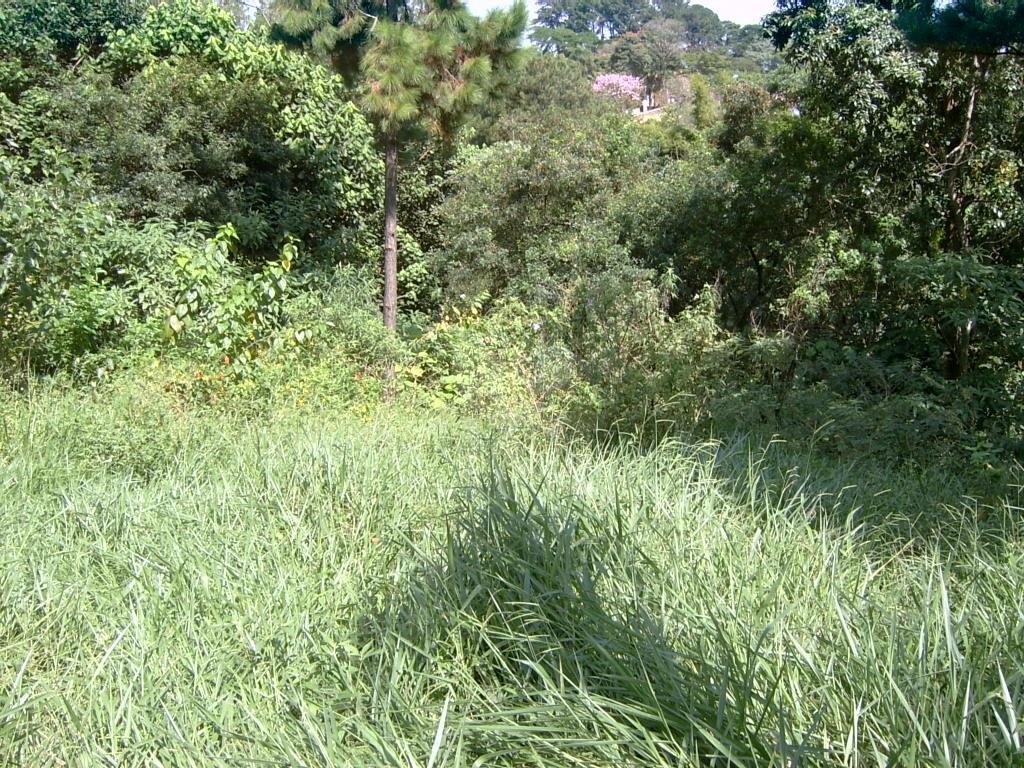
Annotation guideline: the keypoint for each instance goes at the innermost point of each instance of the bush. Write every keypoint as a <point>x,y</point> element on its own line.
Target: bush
<point>639,370</point>
<point>480,363</point>
<point>526,217</point>
<point>64,28</point>
<point>187,118</point>
<point>321,137</point>
<point>75,279</point>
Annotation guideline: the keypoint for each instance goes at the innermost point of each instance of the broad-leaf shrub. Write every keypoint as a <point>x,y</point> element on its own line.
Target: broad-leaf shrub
<point>233,315</point>
<point>39,29</point>
<point>74,278</point>
<point>80,286</point>
<point>186,117</point>
<point>483,362</point>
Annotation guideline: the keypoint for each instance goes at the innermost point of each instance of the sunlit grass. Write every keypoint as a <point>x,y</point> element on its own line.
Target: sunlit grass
<point>191,589</point>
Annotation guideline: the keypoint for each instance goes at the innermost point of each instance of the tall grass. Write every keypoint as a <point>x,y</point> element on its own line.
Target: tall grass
<point>188,589</point>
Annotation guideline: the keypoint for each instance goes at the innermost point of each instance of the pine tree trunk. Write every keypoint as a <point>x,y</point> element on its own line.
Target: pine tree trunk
<point>391,232</point>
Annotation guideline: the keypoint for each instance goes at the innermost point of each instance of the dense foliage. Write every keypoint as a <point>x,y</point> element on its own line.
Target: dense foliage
<point>832,251</point>
<point>117,169</point>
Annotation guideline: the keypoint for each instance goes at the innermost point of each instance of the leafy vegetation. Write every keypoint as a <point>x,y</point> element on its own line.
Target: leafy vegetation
<point>690,436</point>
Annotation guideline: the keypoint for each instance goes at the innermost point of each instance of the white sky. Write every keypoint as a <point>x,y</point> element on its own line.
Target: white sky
<point>739,11</point>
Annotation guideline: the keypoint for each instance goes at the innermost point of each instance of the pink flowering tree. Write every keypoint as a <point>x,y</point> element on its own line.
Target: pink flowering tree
<point>625,88</point>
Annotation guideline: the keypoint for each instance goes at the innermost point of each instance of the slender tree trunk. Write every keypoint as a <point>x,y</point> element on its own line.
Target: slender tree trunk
<point>391,231</point>
<point>390,301</point>
<point>958,337</point>
<point>957,157</point>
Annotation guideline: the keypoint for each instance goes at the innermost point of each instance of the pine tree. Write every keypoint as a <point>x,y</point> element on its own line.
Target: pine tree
<point>421,67</point>
<point>980,27</point>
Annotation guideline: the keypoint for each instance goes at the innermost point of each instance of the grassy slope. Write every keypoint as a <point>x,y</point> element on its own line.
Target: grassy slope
<point>186,589</point>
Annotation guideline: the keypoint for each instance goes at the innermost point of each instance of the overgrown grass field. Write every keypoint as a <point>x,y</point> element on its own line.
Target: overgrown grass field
<point>185,588</point>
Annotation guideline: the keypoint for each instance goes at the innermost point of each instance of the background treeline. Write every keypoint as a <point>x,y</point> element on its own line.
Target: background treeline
<point>653,40</point>
<point>823,242</point>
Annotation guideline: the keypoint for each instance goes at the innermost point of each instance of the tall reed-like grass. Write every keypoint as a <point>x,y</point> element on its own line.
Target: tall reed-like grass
<point>193,590</point>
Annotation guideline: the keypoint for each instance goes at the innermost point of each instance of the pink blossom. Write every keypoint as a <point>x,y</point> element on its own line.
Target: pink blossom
<point>619,86</point>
